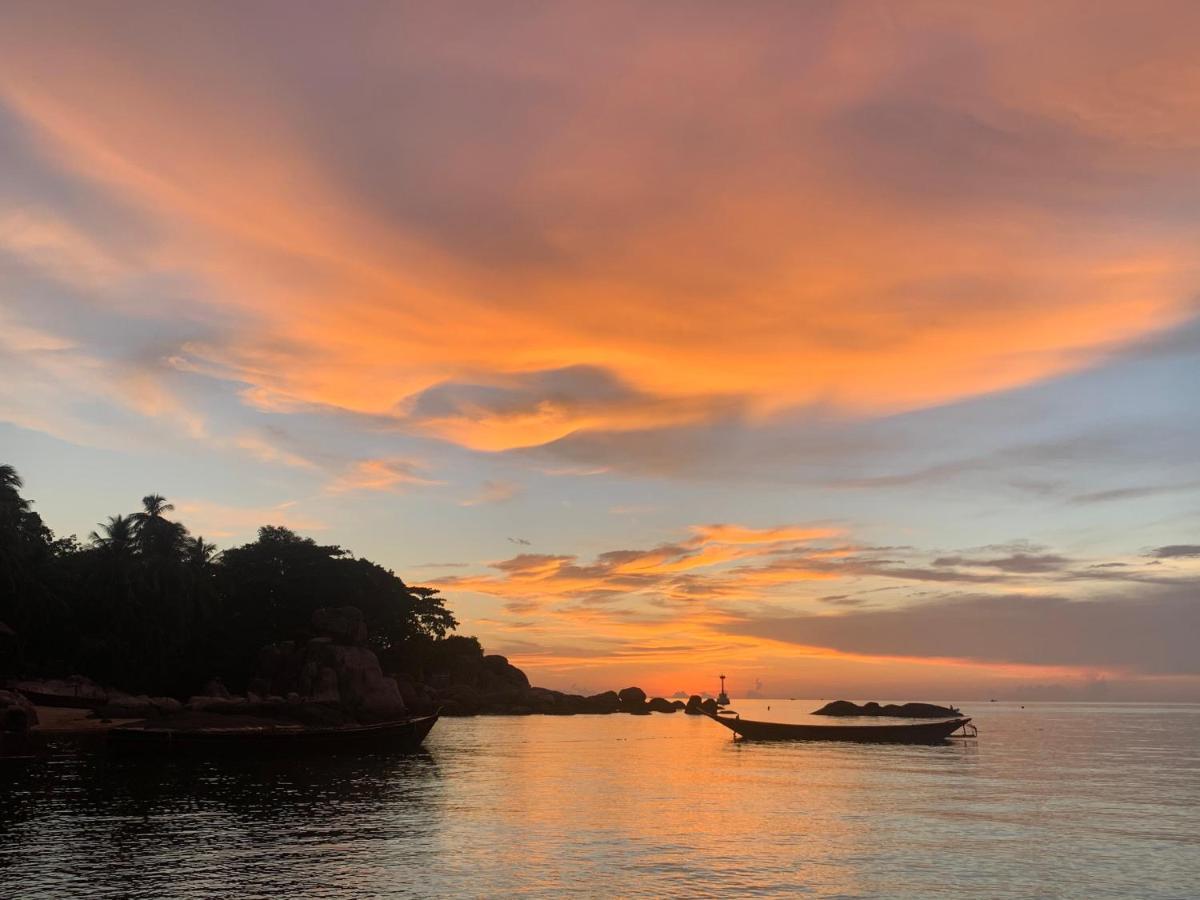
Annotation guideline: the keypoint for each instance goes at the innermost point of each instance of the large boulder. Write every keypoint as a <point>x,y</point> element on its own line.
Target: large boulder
<point>709,706</point>
<point>658,704</point>
<point>17,714</point>
<point>607,702</point>
<point>632,699</point>
<point>351,676</point>
<point>343,624</point>
<point>501,670</point>
<point>693,706</point>
<point>334,669</point>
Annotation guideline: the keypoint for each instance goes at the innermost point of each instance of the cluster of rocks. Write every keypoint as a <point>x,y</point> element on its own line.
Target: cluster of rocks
<point>80,692</point>
<point>899,711</point>
<point>334,669</point>
<point>334,678</point>
<point>697,707</point>
<point>513,696</point>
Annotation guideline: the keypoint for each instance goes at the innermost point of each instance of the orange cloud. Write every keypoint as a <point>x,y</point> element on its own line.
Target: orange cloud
<point>729,241</point>
<point>737,534</point>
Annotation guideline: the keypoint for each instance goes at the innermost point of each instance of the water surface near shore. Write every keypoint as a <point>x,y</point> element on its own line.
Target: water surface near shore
<point>1053,800</point>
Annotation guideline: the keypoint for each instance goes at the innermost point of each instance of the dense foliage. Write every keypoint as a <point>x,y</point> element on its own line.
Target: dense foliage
<point>147,607</point>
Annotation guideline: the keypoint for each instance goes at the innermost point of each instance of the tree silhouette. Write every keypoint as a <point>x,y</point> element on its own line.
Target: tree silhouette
<point>157,536</point>
<point>118,534</point>
<point>148,608</point>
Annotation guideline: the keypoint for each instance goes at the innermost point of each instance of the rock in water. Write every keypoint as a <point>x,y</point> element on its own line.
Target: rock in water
<point>632,699</point>
<point>693,707</point>
<point>903,711</point>
<point>608,702</point>
<point>659,704</point>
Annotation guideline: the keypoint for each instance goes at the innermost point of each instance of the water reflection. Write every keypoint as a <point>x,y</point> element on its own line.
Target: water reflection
<point>1060,800</point>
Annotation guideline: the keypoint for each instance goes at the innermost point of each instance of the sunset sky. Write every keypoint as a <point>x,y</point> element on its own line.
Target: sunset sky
<point>845,349</point>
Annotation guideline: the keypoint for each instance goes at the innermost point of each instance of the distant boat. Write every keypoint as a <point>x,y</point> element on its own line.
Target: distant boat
<point>919,733</point>
<point>402,734</point>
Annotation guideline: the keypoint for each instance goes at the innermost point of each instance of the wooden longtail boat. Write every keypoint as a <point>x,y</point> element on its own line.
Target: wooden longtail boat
<point>402,734</point>
<point>913,733</point>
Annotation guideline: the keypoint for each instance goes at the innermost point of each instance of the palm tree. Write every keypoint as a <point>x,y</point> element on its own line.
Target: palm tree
<point>12,504</point>
<point>9,478</point>
<point>157,536</point>
<point>198,552</point>
<point>153,507</point>
<point>118,534</point>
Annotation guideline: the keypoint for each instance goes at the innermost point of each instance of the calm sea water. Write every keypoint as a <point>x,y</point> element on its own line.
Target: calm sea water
<point>1053,800</point>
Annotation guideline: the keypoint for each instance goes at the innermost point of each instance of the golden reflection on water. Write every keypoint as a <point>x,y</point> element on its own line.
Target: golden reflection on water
<point>1053,800</point>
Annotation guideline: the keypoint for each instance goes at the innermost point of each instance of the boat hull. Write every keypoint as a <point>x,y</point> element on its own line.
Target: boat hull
<point>909,733</point>
<point>405,734</point>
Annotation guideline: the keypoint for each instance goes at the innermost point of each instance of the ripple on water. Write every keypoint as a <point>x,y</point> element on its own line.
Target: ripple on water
<point>1053,800</point>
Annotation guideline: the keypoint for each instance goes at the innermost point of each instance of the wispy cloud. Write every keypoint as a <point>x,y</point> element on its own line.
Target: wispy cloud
<point>1177,551</point>
<point>611,296</point>
<point>381,475</point>
<point>497,491</point>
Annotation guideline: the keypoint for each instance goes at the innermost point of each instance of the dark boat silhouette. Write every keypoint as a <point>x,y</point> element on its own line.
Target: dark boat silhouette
<point>401,734</point>
<point>910,733</point>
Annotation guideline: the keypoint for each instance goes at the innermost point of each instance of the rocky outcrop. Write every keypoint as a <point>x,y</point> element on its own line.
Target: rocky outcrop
<point>334,678</point>
<point>607,702</point>
<point>901,711</point>
<point>633,700</point>
<point>75,691</point>
<point>692,707</point>
<point>17,714</point>
<point>709,706</point>
<point>631,697</point>
<point>500,668</point>
<point>335,668</point>
<point>129,706</point>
